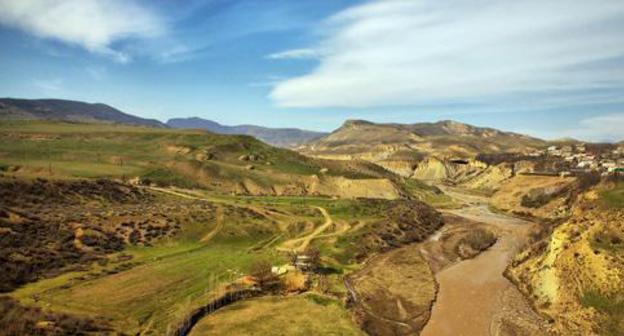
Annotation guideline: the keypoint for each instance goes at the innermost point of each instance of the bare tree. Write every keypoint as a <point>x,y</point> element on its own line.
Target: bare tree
<point>314,256</point>
<point>261,271</point>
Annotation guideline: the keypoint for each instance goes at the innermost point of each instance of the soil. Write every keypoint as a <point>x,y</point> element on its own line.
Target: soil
<point>393,294</point>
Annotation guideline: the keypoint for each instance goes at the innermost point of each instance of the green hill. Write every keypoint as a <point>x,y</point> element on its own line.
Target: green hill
<point>183,158</point>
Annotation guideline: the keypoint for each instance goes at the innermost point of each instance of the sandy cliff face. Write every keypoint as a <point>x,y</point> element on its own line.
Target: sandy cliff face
<point>513,194</point>
<point>331,186</point>
<point>575,275</point>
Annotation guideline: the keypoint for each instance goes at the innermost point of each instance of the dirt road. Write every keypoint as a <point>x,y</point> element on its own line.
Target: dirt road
<point>474,297</point>
<point>301,243</point>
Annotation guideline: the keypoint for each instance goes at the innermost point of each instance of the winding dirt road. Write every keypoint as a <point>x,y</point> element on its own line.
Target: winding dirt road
<point>301,243</point>
<point>474,297</point>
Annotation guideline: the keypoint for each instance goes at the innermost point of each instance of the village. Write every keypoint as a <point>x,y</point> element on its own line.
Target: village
<point>582,158</point>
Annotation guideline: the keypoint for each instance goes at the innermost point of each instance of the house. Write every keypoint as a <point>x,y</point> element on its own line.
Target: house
<point>303,262</point>
<point>280,270</point>
<point>608,164</point>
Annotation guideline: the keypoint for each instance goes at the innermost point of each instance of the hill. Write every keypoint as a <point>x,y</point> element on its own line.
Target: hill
<point>282,137</point>
<point>224,164</point>
<point>401,148</point>
<point>68,110</point>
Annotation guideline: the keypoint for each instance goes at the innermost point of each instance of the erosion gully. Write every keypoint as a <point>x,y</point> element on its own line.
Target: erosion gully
<point>473,295</point>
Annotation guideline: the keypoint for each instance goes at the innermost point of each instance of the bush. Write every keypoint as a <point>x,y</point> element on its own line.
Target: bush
<point>479,239</point>
<point>588,180</point>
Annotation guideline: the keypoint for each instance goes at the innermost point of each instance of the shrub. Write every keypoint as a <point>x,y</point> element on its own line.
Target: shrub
<point>479,239</point>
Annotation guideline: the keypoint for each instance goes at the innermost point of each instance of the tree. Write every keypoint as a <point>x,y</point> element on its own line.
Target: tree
<point>261,271</point>
<point>314,256</point>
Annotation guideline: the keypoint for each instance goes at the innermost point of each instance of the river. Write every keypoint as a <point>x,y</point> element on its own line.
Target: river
<point>474,298</point>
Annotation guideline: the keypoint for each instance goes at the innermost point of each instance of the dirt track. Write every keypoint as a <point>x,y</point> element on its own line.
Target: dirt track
<point>301,243</point>
<point>474,297</point>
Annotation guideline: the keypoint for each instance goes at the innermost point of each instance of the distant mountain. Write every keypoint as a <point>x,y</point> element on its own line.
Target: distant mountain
<point>443,137</point>
<point>401,147</point>
<point>68,110</point>
<point>282,137</point>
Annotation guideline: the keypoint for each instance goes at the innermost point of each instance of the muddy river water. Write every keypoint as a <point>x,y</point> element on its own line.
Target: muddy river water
<point>473,294</point>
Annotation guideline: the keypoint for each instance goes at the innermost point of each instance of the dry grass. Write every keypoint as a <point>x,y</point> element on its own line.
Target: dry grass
<point>272,316</point>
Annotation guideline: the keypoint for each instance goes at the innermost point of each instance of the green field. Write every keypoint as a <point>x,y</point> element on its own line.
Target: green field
<point>614,197</point>
<point>62,149</point>
<point>168,281</point>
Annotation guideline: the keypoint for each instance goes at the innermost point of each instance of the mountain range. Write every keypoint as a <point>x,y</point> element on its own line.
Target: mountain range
<point>281,137</point>
<point>68,110</point>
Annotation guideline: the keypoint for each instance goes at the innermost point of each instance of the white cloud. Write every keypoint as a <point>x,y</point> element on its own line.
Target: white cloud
<point>405,52</point>
<point>91,24</point>
<point>609,127</point>
<point>295,54</point>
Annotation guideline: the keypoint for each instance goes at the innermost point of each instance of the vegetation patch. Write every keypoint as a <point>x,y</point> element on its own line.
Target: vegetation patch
<point>474,242</point>
<point>321,300</point>
<point>612,305</point>
<point>166,178</point>
<point>608,240</point>
<point>614,197</point>
<point>19,320</point>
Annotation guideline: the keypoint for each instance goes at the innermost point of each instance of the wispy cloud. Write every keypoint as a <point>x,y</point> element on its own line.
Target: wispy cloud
<point>609,127</point>
<point>49,87</point>
<point>94,25</point>
<point>403,52</point>
<point>295,54</point>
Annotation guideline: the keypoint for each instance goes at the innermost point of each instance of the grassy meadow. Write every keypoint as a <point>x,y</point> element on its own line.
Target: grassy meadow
<point>178,157</point>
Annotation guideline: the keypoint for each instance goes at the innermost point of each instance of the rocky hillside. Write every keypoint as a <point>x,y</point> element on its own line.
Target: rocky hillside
<point>281,137</point>
<point>574,271</point>
<point>47,227</point>
<point>404,148</point>
<point>58,109</point>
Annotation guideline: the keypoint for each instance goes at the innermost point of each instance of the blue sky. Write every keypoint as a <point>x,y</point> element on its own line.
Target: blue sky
<point>550,69</point>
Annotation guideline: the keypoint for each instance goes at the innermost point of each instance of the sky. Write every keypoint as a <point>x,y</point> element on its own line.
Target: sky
<point>551,69</point>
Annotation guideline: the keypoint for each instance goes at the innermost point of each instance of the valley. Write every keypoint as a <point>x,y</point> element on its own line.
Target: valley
<point>311,168</point>
<point>135,230</point>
